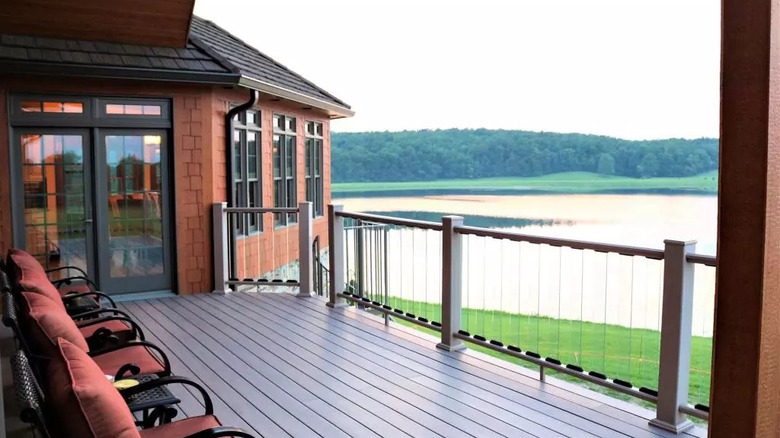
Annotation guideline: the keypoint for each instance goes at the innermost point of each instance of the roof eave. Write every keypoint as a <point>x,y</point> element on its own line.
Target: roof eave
<point>92,71</point>
<point>336,111</point>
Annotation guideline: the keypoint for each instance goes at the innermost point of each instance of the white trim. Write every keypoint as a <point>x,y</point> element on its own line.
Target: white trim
<point>265,87</point>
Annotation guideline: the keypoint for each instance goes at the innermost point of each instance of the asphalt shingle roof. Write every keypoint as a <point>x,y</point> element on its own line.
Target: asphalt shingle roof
<point>211,50</point>
<point>94,53</point>
<point>254,64</point>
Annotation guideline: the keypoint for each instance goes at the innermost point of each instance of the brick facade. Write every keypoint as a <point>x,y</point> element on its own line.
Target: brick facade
<point>197,145</point>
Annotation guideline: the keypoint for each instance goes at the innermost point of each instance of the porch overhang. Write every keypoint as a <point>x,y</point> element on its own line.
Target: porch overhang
<point>142,22</point>
<point>333,110</point>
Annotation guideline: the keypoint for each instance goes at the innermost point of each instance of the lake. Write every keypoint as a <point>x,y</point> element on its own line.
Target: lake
<point>547,281</point>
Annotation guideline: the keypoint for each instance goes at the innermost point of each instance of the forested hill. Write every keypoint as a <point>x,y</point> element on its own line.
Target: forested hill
<point>481,153</point>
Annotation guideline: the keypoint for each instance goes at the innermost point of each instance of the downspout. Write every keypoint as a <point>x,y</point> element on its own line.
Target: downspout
<point>253,94</point>
<point>231,222</point>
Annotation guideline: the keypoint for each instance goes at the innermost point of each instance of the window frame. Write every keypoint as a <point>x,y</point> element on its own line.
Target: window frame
<point>241,186</point>
<point>283,196</point>
<point>313,168</point>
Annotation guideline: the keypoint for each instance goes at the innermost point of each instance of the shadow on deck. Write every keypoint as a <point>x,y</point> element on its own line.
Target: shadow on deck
<point>287,366</point>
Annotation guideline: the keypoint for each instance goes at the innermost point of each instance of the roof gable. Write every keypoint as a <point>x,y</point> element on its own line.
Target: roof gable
<point>252,63</point>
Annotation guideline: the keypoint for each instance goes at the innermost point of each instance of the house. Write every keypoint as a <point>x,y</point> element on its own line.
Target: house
<point>115,144</point>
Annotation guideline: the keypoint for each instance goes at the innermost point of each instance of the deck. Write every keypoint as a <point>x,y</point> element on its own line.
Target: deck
<point>285,366</point>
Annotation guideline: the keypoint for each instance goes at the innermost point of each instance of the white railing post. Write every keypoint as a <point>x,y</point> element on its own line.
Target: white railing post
<point>451,283</point>
<point>336,255</point>
<point>305,252</point>
<point>676,323</point>
<point>221,248</point>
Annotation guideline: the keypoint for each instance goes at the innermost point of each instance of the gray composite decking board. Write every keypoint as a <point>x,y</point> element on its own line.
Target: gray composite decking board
<point>371,329</point>
<point>227,410</point>
<point>297,361</point>
<point>332,422</point>
<point>255,407</point>
<point>476,396</point>
<point>424,348</point>
<point>338,380</point>
<point>385,359</point>
<point>457,409</point>
<point>628,415</point>
<point>353,376</point>
<point>440,418</point>
<point>191,405</point>
<point>268,356</point>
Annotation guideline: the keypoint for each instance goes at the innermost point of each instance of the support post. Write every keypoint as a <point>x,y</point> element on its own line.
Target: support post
<point>451,283</point>
<point>676,324</point>
<point>221,247</point>
<point>305,251</point>
<point>336,256</point>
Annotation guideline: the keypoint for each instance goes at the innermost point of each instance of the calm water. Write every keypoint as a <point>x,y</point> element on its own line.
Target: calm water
<point>547,281</point>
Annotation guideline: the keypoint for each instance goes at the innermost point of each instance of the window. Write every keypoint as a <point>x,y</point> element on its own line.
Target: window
<point>284,167</point>
<point>246,168</point>
<point>314,191</point>
<point>133,110</point>
<point>36,106</point>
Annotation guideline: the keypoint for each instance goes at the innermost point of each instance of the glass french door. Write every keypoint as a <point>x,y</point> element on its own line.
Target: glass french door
<point>56,202</point>
<point>132,210</point>
<point>97,199</point>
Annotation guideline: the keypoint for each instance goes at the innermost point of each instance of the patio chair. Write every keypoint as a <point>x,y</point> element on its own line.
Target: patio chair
<point>21,265</point>
<point>98,325</point>
<point>86,404</point>
<point>43,321</point>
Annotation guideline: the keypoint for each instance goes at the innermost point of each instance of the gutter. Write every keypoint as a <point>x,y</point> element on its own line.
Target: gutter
<point>337,111</point>
<point>253,94</point>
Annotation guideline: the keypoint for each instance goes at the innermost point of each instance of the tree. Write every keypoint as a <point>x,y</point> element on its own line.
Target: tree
<point>606,164</point>
<point>648,168</point>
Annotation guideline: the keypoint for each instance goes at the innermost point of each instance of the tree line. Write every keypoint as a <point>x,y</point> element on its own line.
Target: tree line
<point>482,153</point>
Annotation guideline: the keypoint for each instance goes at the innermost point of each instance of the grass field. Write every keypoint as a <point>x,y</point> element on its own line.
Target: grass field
<point>618,352</point>
<point>568,182</point>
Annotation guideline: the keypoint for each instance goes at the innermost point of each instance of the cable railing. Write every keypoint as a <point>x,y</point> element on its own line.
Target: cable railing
<point>247,256</point>
<point>621,317</point>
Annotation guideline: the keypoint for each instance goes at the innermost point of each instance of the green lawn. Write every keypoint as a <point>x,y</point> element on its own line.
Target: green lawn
<point>568,182</point>
<point>618,352</point>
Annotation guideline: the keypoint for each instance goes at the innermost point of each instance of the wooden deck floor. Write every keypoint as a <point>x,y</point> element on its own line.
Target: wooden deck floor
<point>285,366</point>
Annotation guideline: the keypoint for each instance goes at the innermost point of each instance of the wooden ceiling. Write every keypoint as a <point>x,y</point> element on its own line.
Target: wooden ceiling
<point>144,22</point>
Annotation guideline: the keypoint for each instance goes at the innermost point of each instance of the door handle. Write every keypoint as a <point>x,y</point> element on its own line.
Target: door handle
<point>87,221</point>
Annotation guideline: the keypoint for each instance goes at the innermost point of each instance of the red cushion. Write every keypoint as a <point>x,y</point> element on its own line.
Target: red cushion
<point>86,403</point>
<point>119,328</point>
<point>182,428</point>
<point>139,355</point>
<point>46,321</point>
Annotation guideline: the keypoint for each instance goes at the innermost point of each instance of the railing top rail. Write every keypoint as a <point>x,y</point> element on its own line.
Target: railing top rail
<point>391,220</point>
<point>261,209</point>
<point>702,259</point>
<point>649,253</point>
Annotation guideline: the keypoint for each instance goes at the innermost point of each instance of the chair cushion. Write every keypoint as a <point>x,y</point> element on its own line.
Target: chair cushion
<point>85,402</point>
<point>118,328</point>
<point>182,428</point>
<point>139,355</point>
<point>46,321</point>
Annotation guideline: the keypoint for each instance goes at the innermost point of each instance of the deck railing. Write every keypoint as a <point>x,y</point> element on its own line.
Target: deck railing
<point>531,297</point>
<point>248,256</point>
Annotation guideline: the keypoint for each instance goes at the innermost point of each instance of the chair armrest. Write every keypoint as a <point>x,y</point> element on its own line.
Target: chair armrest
<point>62,268</point>
<point>149,345</point>
<point>88,314</point>
<point>93,293</point>
<point>58,283</point>
<point>162,381</point>
<point>221,431</point>
<point>139,333</point>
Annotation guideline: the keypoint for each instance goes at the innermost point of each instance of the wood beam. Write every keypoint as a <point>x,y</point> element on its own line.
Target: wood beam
<point>745,399</point>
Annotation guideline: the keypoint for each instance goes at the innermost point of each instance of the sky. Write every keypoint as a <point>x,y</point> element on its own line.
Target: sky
<point>634,69</point>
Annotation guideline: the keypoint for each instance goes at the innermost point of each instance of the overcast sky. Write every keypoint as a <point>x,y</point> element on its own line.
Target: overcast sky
<point>636,69</point>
